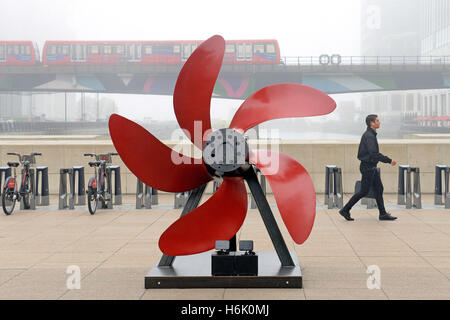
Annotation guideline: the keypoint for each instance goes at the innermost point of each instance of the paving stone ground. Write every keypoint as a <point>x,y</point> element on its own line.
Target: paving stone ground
<point>116,248</point>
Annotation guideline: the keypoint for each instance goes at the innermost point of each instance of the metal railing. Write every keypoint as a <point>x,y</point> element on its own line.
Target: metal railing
<point>335,60</point>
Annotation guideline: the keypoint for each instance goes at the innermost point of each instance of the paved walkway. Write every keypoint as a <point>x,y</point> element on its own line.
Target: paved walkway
<point>115,249</point>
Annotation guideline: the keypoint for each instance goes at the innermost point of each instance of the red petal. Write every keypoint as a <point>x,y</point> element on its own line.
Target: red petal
<point>219,218</point>
<point>293,190</point>
<point>151,161</point>
<point>285,100</point>
<point>195,85</point>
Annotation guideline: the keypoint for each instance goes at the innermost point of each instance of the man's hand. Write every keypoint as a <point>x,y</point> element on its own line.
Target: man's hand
<point>393,163</point>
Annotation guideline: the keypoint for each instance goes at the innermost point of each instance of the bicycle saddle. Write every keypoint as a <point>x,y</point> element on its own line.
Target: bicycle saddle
<point>13,164</point>
<point>94,163</point>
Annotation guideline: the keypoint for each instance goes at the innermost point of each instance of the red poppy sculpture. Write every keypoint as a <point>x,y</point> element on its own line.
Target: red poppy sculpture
<point>222,215</point>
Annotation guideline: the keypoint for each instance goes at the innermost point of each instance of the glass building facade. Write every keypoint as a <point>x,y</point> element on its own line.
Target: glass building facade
<point>435,27</point>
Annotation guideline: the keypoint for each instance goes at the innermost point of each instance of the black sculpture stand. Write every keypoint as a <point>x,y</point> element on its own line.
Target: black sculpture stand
<point>279,269</point>
<point>194,271</point>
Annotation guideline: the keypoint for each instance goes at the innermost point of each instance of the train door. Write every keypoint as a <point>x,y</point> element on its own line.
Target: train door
<point>244,52</point>
<point>78,53</point>
<point>2,52</point>
<point>134,52</point>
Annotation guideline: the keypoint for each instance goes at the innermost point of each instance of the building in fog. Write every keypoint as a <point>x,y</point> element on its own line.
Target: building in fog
<point>390,28</point>
<point>410,28</point>
<point>435,27</point>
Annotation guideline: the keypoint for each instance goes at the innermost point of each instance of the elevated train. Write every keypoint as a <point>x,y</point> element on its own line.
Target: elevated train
<point>19,53</point>
<point>62,53</point>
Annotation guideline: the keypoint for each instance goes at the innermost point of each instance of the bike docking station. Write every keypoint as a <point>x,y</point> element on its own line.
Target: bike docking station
<point>189,259</point>
<point>411,197</point>
<point>143,195</point>
<point>42,198</point>
<point>333,187</point>
<point>66,194</point>
<point>438,190</point>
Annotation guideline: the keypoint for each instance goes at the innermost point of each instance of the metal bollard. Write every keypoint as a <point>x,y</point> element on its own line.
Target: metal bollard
<point>80,196</point>
<point>263,187</point>
<point>438,184</point>
<point>117,184</point>
<point>413,197</point>
<point>42,199</point>
<point>143,196</point>
<point>328,172</point>
<point>33,191</point>
<point>7,173</point>
<point>447,190</point>
<point>180,199</point>
<point>66,197</point>
<point>401,184</point>
<point>154,196</point>
<point>333,187</point>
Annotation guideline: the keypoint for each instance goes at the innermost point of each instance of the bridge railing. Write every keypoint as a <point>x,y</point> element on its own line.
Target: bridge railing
<point>335,59</point>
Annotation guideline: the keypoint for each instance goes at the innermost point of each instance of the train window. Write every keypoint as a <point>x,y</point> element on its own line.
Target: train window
<point>147,49</point>
<point>176,49</point>
<point>65,49</point>
<point>107,49</point>
<point>16,49</point>
<point>194,46</point>
<point>51,50</point>
<point>27,50</point>
<point>10,50</point>
<point>93,49</point>
<point>258,48</point>
<point>2,52</point>
<point>229,48</point>
<point>118,49</point>
<point>270,48</point>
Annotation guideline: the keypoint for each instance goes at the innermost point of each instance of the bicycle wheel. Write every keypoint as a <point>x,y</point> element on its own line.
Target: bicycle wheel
<point>8,201</point>
<point>92,200</point>
<point>104,197</point>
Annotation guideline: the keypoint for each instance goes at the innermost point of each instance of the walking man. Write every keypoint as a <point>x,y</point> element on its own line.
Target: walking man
<point>369,155</point>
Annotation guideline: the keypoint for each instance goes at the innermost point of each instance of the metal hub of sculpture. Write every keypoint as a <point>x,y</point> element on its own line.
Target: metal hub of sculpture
<point>225,152</point>
<point>226,155</point>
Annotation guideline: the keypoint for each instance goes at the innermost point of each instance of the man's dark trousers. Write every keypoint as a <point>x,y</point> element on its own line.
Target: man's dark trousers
<point>370,177</point>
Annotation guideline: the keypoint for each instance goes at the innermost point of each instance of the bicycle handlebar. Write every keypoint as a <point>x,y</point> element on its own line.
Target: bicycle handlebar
<point>93,154</point>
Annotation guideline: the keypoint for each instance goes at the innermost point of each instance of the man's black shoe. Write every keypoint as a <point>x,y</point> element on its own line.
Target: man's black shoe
<point>386,216</point>
<point>346,215</point>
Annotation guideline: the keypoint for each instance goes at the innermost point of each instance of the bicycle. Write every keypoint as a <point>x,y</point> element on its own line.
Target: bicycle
<point>99,190</point>
<point>10,193</point>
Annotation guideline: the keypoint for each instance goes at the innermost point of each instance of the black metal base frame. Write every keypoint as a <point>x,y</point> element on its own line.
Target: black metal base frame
<point>169,275</point>
<point>194,271</point>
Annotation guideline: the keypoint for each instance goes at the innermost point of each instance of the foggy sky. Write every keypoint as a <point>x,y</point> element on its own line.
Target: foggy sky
<point>302,28</point>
